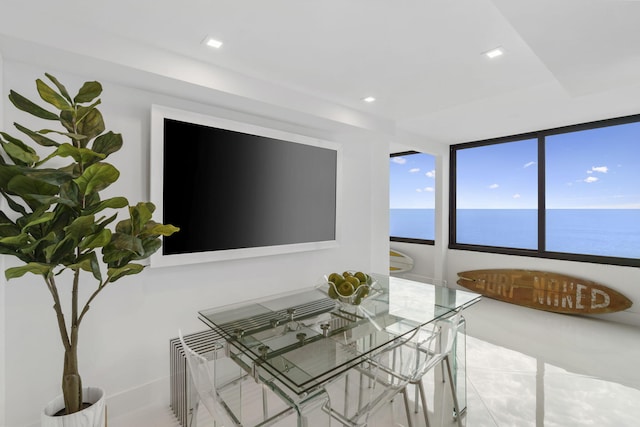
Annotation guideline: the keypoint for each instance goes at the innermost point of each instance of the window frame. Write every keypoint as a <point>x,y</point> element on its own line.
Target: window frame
<point>541,208</point>
<point>430,242</point>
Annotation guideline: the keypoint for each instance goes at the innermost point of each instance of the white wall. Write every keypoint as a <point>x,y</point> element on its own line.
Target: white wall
<point>124,339</point>
<point>2,289</point>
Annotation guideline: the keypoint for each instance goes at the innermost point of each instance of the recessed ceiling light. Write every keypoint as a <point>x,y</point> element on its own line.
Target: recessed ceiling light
<point>494,53</point>
<point>211,42</point>
<point>368,99</point>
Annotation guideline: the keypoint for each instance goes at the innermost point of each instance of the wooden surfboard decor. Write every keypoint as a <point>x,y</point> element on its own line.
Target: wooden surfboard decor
<point>545,291</point>
<point>399,262</point>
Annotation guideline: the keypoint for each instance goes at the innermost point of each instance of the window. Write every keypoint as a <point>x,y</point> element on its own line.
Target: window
<point>497,195</point>
<point>568,193</point>
<point>412,197</point>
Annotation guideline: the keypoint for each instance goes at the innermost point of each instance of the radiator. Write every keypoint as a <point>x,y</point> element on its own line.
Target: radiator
<point>182,394</point>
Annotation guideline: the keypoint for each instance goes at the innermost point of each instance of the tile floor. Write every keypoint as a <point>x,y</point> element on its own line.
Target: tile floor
<point>525,368</point>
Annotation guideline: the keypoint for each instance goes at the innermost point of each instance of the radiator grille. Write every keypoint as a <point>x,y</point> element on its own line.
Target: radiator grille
<point>182,394</point>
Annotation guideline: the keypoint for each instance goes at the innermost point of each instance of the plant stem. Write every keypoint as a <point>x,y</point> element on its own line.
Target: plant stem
<point>51,285</point>
<point>71,381</point>
<point>93,295</point>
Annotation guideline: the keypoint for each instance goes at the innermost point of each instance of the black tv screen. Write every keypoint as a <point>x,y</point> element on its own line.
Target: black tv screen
<point>230,190</point>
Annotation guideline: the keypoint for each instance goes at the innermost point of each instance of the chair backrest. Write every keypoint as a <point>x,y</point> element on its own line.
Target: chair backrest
<point>435,346</point>
<point>448,332</point>
<point>203,376</point>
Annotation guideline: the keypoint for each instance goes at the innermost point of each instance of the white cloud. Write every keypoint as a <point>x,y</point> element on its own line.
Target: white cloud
<point>414,170</point>
<point>526,165</point>
<point>399,160</point>
<point>427,189</point>
<point>516,196</point>
<point>601,169</point>
<point>431,174</point>
<point>589,171</point>
<point>590,179</point>
<point>494,186</point>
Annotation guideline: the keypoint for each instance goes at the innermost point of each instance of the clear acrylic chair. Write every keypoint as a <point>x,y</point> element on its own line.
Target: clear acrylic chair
<point>437,350</point>
<point>232,397</point>
<point>379,379</point>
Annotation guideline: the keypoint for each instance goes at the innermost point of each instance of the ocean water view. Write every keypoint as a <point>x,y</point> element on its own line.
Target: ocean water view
<point>412,223</point>
<point>604,232</point>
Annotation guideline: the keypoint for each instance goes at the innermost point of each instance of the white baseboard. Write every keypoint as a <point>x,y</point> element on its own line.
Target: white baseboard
<point>155,393</point>
<point>149,394</point>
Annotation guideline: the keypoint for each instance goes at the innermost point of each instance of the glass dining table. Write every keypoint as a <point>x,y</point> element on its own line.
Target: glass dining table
<point>298,342</point>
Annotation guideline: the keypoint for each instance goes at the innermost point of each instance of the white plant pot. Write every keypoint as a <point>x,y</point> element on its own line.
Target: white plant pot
<point>93,416</point>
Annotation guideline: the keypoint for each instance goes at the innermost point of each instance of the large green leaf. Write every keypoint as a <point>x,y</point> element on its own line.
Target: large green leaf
<point>52,176</point>
<point>19,155</point>
<point>25,186</point>
<point>80,155</point>
<point>88,92</point>
<point>88,263</point>
<point>61,251</point>
<point>18,142</point>
<point>96,178</point>
<point>122,249</point>
<point>40,219</point>
<point>155,229</point>
<point>107,143</point>
<point>68,119</point>
<point>32,267</point>
<point>24,104</point>
<point>114,257</point>
<point>18,240</point>
<point>67,134</point>
<point>102,222</point>
<point>69,191</point>
<point>39,139</point>
<point>151,246</point>
<point>50,200</point>
<point>112,203</point>
<point>80,227</point>
<point>124,226</point>
<point>7,226</point>
<point>34,248</point>
<point>127,270</point>
<point>61,88</point>
<point>125,242</point>
<point>7,172</point>
<point>51,96</point>
<point>63,217</point>
<point>141,213</point>
<point>90,125</point>
<point>98,240</point>
<point>15,206</point>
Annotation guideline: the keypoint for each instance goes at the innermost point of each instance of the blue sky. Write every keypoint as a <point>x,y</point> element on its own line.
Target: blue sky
<point>597,168</point>
<point>500,176</point>
<point>412,182</point>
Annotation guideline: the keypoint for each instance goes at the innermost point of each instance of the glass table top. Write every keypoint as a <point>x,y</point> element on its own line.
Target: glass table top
<point>305,338</point>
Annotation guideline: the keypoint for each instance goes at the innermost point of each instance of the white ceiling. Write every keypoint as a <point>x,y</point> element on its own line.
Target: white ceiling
<point>566,61</point>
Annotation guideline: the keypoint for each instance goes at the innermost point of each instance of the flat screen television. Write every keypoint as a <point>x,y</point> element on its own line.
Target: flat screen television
<point>238,190</point>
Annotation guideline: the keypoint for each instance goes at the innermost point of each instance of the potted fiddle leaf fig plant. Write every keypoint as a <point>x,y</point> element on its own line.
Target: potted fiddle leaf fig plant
<point>56,222</point>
